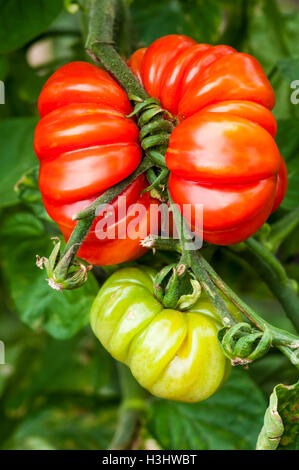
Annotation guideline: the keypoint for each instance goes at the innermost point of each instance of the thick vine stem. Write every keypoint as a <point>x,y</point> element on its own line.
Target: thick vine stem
<point>100,45</point>
<point>155,130</point>
<point>281,229</point>
<point>114,191</point>
<point>279,337</point>
<point>274,275</point>
<point>132,407</point>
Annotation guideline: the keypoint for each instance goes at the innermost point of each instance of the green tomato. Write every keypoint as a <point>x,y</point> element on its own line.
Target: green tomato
<point>174,355</point>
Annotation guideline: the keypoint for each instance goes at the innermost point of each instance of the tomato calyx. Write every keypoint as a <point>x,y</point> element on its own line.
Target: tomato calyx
<point>61,274</point>
<point>243,344</point>
<point>175,287</point>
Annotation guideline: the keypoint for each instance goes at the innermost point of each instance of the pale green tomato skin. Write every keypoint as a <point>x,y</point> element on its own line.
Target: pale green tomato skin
<point>174,355</point>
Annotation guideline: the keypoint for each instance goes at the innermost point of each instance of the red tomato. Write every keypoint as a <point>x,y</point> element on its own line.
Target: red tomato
<point>85,145</point>
<point>222,154</point>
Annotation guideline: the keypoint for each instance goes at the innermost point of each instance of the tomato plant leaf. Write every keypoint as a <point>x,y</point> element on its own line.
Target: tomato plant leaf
<point>61,314</point>
<point>281,422</point>
<point>197,426</point>
<point>201,19</point>
<point>21,21</point>
<point>17,155</point>
<point>28,192</point>
<point>288,143</point>
<point>80,423</point>
<point>289,68</point>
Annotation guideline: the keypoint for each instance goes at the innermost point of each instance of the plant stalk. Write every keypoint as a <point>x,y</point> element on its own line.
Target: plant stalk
<point>100,45</point>
<point>132,407</point>
<point>281,229</point>
<point>274,275</point>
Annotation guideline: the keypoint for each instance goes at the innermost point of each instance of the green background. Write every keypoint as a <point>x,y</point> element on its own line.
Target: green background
<point>59,389</point>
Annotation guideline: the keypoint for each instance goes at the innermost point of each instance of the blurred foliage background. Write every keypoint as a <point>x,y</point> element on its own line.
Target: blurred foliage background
<point>59,389</point>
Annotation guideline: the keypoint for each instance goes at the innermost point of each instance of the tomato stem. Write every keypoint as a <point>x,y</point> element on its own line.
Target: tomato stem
<point>114,191</point>
<point>281,229</point>
<point>100,45</point>
<point>192,259</point>
<point>274,275</point>
<point>283,340</point>
<point>287,342</point>
<point>103,15</point>
<point>268,258</point>
<point>132,407</point>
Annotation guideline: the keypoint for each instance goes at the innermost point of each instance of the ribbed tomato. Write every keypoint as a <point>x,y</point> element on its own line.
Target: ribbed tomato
<point>85,145</point>
<point>222,154</point>
<point>173,354</point>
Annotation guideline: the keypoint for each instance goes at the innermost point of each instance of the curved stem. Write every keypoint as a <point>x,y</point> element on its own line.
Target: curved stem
<point>267,258</point>
<point>198,268</point>
<point>274,275</point>
<point>114,191</point>
<point>281,229</point>
<point>280,337</point>
<point>132,407</point>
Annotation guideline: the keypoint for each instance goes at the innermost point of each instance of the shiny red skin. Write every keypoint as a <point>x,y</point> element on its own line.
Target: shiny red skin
<point>222,154</point>
<point>85,145</point>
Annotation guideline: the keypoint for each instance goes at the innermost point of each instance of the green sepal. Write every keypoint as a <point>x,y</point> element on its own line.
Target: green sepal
<point>60,275</point>
<point>243,344</point>
<point>28,192</point>
<point>172,290</point>
<point>159,279</point>
<point>186,301</point>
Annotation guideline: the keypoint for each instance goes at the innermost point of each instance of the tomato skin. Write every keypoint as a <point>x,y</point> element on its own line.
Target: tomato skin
<point>85,145</point>
<point>81,82</point>
<point>157,57</point>
<point>222,154</point>
<point>235,76</point>
<point>175,355</point>
<point>233,176</point>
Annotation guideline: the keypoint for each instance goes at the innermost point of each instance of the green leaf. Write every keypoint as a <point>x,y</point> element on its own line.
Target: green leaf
<point>84,424</point>
<point>289,68</point>
<point>231,419</point>
<point>17,155</point>
<point>60,314</point>
<point>42,372</point>
<point>273,38</point>
<point>28,192</point>
<point>275,30</point>
<point>281,422</point>
<point>49,367</point>
<point>21,21</point>
<point>3,67</point>
<point>288,143</point>
<point>200,19</point>
<point>272,368</point>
